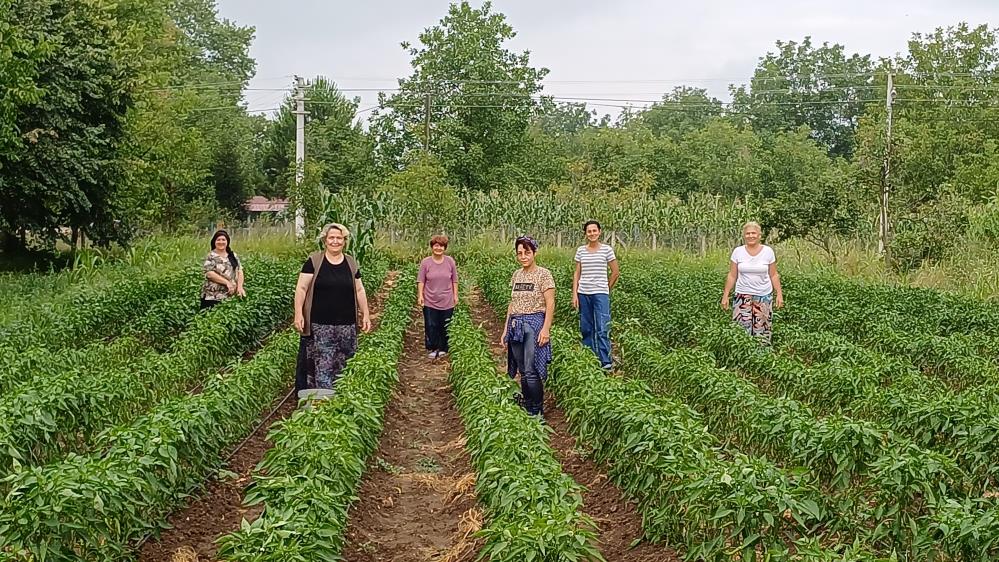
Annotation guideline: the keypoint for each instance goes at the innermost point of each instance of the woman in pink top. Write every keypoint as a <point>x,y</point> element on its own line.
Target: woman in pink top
<point>437,293</point>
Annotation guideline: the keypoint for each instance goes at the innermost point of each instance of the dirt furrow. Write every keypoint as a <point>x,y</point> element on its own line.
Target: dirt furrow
<point>620,525</point>
<point>417,499</point>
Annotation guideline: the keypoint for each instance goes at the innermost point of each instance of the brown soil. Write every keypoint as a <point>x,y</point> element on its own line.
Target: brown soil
<point>218,510</point>
<point>619,524</point>
<point>417,500</point>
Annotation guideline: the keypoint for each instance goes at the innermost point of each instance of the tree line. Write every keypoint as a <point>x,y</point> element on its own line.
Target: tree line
<point>127,115</point>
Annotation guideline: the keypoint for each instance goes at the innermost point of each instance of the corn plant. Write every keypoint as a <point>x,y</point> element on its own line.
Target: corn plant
<point>532,506</point>
<point>309,479</point>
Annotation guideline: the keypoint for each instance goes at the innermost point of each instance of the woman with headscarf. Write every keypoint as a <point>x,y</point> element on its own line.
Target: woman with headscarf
<point>223,274</point>
<point>527,331</point>
<point>328,295</point>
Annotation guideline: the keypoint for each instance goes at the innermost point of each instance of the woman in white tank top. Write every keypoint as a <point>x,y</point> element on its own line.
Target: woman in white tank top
<point>753,273</point>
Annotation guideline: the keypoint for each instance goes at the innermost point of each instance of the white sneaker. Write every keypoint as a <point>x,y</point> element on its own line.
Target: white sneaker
<point>432,355</point>
<point>441,354</point>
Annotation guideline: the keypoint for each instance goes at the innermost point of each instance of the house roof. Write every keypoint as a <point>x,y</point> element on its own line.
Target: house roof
<point>261,204</point>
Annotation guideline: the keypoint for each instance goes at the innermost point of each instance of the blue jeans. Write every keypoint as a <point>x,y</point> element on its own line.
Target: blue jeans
<point>531,384</point>
<point>594,324</point>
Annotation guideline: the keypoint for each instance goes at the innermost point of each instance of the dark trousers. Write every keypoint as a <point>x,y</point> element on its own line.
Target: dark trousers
<point>531,385</point>
<point>303,364</point>
<point>206,304</point>
<point>435,324</point>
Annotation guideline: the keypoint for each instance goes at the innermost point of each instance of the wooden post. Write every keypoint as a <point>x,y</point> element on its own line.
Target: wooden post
<point>654,242</point>
<point>704,245</point>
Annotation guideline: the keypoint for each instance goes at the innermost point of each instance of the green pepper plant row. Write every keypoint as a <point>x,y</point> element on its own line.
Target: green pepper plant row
<point>912,506</point>
<point>309,479</point>
<point>946,342</point>
<point>65,413</point>
<point>886,484</point>
<point>532,507</point>
<point>93,314</point>
<point>92,507</point>
<point>156,327</point>
<point>661,454</point>
<point>964,426</point>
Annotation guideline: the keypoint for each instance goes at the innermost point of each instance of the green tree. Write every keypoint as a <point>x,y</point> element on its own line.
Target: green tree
<point>480,93</point>
<point>807,195</point>
<point>332,137</point>
<point>720,159</point>
<point>800,84</point>
<point>63,170</point>
<point>681,111</point>
<point>946,123</point>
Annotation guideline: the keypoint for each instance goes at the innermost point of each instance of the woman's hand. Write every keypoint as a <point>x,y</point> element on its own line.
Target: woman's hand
<point>230,286</point>
<point>503,338</point>
<point>419,301</point>
<point>544,336</point>
<point>241,292</point>
<point>725,304</point>
<point>779,302</point>
<point>366,324</point>
<point>299,323</point>
<point>575,301</point>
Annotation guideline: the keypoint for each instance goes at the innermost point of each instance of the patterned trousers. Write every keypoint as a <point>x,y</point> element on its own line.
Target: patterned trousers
<point>329,348</point>
<point>755,314</point>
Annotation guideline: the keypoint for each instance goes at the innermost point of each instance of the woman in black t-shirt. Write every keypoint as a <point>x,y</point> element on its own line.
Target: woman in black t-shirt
<point>327,298</point>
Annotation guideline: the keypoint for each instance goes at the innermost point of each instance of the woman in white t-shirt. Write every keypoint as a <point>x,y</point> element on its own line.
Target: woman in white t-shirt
<point>753,274</point>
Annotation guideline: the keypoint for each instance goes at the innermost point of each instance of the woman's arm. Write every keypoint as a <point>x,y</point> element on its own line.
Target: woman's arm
<point>506,323</point>
<point>733,272</point>
<point>775,280</point>
<point>575,285</point>
<point>615,274</point>
<point>419,292</point>
<point>217,277</point>
<point>239,282</point>
<point>301,288</point>
<point>546,329</point>
<point>454,287</point>
<point>362,303</point>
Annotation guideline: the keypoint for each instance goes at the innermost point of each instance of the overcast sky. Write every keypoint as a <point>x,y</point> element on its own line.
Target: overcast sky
<point>621,49</point>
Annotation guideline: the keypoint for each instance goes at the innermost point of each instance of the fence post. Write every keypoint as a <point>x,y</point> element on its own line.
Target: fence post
<point>654,246</point>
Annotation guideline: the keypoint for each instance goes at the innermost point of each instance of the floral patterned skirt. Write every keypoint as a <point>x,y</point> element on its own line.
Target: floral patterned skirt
<point>755,314</point>
<point>329,348</point>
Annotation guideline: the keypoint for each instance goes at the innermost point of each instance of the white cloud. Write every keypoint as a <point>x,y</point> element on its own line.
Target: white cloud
<point>611,45</point>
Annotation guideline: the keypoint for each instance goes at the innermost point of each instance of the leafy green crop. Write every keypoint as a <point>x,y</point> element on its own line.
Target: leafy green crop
<point>92,507</point>
<point>309,479</point>
<point>532,506</point>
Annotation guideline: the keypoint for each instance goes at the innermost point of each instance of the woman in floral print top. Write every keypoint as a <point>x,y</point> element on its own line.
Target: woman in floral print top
<point>223,275</point>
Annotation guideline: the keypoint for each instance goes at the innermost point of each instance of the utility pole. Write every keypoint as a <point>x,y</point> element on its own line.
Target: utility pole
<point>426,124</point>
<point>884,224</point>
<point>300,114</point>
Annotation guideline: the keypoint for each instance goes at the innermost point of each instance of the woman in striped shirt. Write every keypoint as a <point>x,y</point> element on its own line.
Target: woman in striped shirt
<point>591,292</point>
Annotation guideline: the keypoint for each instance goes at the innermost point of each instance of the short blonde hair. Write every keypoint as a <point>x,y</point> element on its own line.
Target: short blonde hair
<point>330,226</point>
<point>752,224</point>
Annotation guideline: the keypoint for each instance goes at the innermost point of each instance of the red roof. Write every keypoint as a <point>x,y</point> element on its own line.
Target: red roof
<point>261,204</point>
